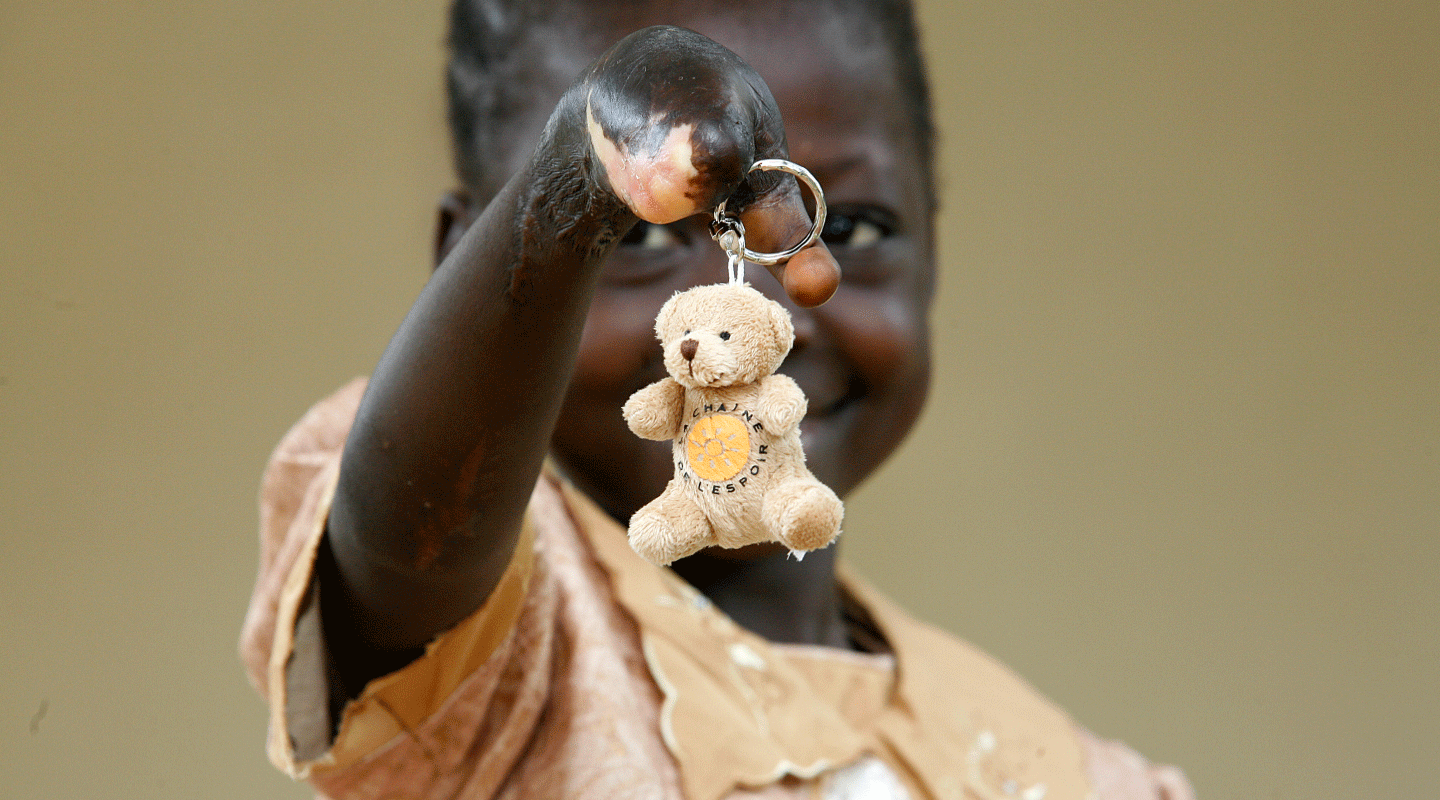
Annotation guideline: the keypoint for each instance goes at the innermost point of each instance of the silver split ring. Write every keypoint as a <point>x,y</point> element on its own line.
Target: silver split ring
<point>725,221</point>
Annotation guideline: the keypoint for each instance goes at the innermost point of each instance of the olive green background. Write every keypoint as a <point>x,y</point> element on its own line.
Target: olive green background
<point>1179,468</point>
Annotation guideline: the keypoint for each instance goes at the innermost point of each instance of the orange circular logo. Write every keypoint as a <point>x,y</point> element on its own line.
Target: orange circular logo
<point>718,447</point>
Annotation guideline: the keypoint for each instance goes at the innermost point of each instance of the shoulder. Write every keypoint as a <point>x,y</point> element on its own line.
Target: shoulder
<point>311,444</point>
<point>315,439</point>
<point>323,427</point>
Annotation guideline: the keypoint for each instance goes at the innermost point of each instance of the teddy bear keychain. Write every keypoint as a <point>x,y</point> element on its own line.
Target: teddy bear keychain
<point>740,474</point>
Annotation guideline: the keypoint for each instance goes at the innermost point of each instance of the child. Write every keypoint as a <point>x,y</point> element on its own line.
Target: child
<point>442,613</point>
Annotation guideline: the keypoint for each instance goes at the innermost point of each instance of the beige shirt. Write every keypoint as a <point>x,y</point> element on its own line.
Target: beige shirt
<point>591,673</point>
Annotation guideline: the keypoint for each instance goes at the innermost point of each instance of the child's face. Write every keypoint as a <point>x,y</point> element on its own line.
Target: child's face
<point>863,358</point>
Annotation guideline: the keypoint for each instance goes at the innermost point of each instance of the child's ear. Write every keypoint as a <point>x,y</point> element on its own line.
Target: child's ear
<point>453,218</point>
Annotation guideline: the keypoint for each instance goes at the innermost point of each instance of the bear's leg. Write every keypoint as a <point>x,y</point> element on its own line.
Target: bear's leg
<point>669,527</point>
<point>803,514</point>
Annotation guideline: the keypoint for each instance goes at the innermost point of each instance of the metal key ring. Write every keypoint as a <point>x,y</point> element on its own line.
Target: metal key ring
<point>781,165</point>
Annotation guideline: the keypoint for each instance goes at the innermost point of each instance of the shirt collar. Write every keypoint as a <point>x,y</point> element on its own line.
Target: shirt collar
<point>739,712</point>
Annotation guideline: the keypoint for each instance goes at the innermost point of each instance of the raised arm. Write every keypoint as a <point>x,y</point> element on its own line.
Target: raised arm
<point>454,426</point>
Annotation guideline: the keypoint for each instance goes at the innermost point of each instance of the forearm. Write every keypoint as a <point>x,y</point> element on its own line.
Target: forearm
<point>451,435</point>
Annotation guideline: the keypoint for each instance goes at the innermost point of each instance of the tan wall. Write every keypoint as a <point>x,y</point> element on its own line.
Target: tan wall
<point>1180,468</point>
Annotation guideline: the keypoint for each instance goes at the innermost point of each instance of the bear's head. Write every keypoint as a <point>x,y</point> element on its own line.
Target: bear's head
<point>723,335</point>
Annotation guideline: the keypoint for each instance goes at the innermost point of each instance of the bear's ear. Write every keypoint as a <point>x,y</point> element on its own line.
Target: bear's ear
<point>666,317</point>
<point>782,329</point>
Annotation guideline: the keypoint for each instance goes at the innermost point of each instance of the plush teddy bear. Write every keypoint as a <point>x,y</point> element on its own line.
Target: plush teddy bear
<point>740,474</point>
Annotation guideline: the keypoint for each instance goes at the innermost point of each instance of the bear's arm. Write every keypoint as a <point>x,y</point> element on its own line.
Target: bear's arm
<point>781,405</point>
<point>655,411</point>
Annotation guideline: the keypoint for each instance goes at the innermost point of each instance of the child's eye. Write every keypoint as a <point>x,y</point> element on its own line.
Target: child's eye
<point>857,227</point>
<point>649,236</point>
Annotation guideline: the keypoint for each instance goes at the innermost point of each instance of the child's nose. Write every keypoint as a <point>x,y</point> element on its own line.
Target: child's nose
<point>688,348</point>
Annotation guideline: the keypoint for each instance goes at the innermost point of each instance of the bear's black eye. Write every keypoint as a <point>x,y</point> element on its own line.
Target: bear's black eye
<point>687,331</point>
<point>724,335</point>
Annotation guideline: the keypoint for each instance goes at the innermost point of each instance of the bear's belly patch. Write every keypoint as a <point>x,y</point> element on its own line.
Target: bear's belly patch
<point>723,449</point>
<point>717,447</point>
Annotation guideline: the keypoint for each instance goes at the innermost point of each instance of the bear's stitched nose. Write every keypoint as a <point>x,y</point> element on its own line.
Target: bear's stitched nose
<point>688,348</point>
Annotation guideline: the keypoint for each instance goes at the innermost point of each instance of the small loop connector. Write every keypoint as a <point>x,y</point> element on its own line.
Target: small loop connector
<point>729,233</point>
<point>726,227</point>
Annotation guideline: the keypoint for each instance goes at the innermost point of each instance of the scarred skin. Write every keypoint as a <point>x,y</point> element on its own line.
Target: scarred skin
<point>455,424</point>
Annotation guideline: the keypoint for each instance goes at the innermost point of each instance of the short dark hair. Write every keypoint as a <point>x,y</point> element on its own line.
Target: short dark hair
<point>486,87</point>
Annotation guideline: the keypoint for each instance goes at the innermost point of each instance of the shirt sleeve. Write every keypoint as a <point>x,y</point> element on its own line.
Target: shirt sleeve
<point>281,642</point>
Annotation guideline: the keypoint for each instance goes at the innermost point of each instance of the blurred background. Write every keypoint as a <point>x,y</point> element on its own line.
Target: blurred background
<point>1179,469</point>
